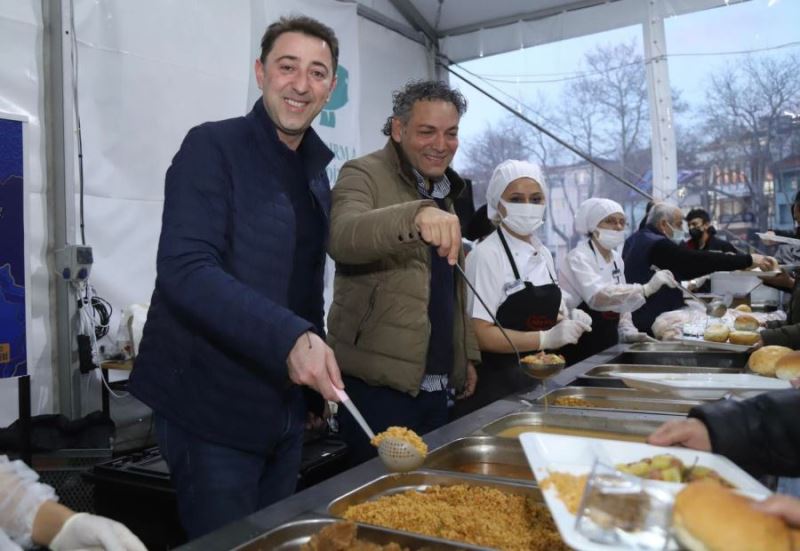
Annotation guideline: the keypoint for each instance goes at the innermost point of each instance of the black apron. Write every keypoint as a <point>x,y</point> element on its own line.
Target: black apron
<point>605,328</point>
<point>533,308</point>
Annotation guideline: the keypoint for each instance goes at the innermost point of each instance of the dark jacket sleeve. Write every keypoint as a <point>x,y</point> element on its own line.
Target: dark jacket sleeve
<point>788,335</point>
<point>761,434</point>
<point>688,264</point>
<point>191,274</point>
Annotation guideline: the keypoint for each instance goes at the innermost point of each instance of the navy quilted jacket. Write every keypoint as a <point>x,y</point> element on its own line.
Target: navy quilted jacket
<point>213,355</point>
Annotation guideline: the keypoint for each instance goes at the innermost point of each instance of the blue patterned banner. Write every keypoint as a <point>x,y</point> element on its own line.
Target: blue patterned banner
<point>13,356</point>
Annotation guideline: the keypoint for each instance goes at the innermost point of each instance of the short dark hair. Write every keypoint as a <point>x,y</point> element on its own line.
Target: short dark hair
<point>698,213</point>
<point>422,90</point>
<point>300,24</point>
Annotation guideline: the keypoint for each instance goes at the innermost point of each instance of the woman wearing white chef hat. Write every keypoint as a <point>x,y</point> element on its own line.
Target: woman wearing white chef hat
<point>593,275</point>
<point>514,274</point>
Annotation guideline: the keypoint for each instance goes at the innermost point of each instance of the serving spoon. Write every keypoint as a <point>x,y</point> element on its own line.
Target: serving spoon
<point>397,455</point>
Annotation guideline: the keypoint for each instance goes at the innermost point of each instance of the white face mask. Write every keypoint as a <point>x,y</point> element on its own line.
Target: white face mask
<point>522,218</point>
<point>610,239</point>
<point>678,235</point>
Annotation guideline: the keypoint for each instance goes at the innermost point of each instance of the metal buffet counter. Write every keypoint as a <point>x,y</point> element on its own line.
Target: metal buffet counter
<point>585,396</point>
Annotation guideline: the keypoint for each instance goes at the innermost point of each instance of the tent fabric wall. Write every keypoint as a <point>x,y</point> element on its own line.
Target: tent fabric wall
<point>148,72</point>
<point>22,96</point>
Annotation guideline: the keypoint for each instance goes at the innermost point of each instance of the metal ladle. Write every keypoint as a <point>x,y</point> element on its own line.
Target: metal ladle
<point>396,454</point>
<point>715,308</point>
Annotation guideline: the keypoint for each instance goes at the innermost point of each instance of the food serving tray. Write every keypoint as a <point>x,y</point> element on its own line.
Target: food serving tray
<point>708,358</point>
<point>619,399</point>
<point>568,423</point>
<point>482,456</point>
<point>420,480</point>
<point>711,345</point>
<point>704,386</point>
<point>680,347</point>
<point>293,535</point>
<point>606,371</point>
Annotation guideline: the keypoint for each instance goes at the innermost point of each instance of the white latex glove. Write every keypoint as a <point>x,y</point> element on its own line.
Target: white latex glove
<point>85,531</point>
<point>635,336</point>
<point>565,332</point>
<point>659,279</point>
<point>579,315</point>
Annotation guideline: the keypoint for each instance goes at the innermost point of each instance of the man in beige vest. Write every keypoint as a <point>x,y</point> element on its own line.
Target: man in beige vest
<point>397,323</point>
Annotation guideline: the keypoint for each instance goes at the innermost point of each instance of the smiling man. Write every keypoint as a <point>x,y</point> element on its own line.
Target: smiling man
<point>398,322</point>
<point>236,319</point>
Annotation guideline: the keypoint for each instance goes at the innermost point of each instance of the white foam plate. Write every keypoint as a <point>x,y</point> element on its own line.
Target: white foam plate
<point>779,239</point>
<point>703,386</point>
<point>576,455</point>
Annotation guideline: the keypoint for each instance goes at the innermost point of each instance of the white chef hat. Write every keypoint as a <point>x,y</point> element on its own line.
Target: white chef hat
<point>592,211</point>
<point>505,173</point>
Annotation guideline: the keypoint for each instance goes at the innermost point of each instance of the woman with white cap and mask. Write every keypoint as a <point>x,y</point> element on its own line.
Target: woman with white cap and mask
<point>514,274</point>
<point>593,275</point>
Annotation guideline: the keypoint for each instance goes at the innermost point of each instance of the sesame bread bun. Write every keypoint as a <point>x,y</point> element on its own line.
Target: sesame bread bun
<point>743,337</point>
<point>788,367</point>
<point>716,332</point>
<point>764,360</point>
<point>709,517</point>
<point>746,323</point>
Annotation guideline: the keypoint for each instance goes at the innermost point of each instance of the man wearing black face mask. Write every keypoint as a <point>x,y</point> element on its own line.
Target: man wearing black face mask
<point>703,234</point>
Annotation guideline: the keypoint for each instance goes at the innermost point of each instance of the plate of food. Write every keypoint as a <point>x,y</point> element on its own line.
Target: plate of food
<point>562,464</point>
<point>703,386</point>
<point>542,364</point>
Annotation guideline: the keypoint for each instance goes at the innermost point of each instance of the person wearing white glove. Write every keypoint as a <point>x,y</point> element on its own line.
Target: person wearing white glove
<point>628,333</point>
<point>577,314</point>
<point>593,276</point>
<point>659,280</point>
<point>30,515</point>
<point>514,274</point>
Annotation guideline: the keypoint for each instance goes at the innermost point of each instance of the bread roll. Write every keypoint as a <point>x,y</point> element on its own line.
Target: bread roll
<point>743,308</point>
<point>788,367</point>
<point>763,361</point>
<point>709,517</point>
<point>743,337</point>
<point>716,332</point>
<point>746,323</point>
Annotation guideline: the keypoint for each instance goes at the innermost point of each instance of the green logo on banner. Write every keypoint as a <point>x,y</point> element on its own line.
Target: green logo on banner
<point>338,99</point>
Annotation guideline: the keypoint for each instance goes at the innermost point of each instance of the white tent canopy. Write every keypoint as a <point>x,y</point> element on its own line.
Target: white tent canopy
<point>148,71</point>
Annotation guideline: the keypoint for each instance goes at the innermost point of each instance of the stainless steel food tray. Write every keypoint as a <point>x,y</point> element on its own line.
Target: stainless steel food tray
<point>482,456</point>
<point>680,347</point>
<point>605,371</point>
<point>709,358</point>
<point>293,535</point>
<point>420,480</point>
<point>596,421</point>
<point>619,399</point>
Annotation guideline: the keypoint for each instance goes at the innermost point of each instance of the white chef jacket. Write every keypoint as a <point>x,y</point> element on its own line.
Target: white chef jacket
<point>20,498</point>
<point>490,271</point>
<point>588,277</point>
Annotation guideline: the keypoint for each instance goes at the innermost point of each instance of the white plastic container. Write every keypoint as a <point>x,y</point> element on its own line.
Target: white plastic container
<point>736,284</point>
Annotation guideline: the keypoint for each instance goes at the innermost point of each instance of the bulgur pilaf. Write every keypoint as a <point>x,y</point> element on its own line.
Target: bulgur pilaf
<point>570,488</point>
<point>473,514</point>
<point>404,434</point>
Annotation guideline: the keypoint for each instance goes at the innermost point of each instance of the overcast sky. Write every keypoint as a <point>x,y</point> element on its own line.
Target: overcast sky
<point>753,25</point>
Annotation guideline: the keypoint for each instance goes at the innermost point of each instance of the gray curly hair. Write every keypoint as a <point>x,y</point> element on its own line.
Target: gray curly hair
<point>422,90</point>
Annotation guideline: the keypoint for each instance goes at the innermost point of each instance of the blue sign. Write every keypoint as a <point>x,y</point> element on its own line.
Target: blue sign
<point>13,355</point>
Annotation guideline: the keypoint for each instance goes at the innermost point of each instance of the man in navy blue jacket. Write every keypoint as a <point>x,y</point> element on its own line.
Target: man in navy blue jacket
<point>236,319</point>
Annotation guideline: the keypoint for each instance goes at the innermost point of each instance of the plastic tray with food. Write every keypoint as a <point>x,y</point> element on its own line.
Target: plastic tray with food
<point>460,508</point>
<point>482,455</point>
<point>590,424</point>
<point>703,386</point>
<point>562,465</point>
<point>617,399</point>
<point>316,533</point>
